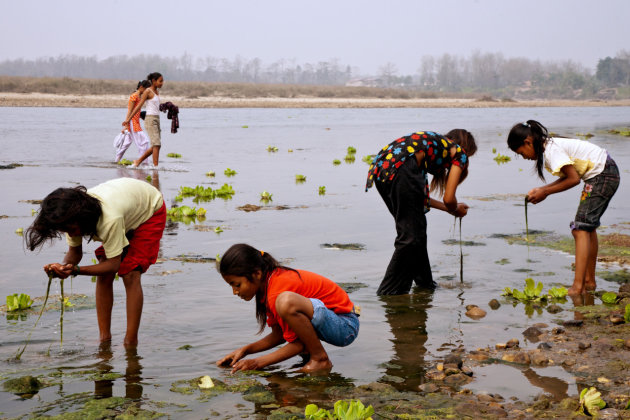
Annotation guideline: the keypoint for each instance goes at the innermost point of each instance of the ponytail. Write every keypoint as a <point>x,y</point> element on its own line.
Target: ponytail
<point>539,135</point>
<point>244,260</point>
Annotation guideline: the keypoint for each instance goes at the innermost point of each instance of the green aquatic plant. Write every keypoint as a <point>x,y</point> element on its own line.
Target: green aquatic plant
<point>174,155</point>
<point>33,212</point>
<point>342,410</point>
<point>300,178</point>
<point>290,150</point>
<point>265,196</point>
<point>125,162</point>
<point>351,150</point>
<point>350,158</point>
<point>229,172</point>
<point>585,135</point>
<point>322,190</point>
<point>494,150</point>
<point>16,302</point>
<point>244,126</point>
<point>590,401</point>
<point>499,159</point>
<point>185,214</point>
<point>609,297</point>
<point>368,159</point>
<point>19,231</point>
<point>626,315</point>
<point>18,355</point>
<point>526,223</point>
<point>557,292</point>
<point>623,131</point>
<point>336,162</point>
<point>201,193</point>
<point>272,149</point>
<point>210,173</point>
<point>149,178</point>
<point>531,292</point>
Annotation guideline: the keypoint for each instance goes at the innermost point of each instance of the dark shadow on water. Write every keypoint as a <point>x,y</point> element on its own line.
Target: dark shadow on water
<point>551,385</point>
<point>407,318</point>
<point>103,388</point>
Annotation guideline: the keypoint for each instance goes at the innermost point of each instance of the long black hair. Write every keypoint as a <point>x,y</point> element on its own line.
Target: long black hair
<point>466,140</point>
<point>539,135</point>
<point>60,209</point>
<point>153,76</point>
<point>244,260</point>
<point>144,83</point>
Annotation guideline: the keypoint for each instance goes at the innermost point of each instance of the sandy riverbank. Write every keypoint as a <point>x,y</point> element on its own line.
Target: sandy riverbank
<point>120,101</point>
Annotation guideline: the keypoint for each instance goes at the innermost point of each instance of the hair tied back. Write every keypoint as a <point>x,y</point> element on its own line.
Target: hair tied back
<point>262,253</point>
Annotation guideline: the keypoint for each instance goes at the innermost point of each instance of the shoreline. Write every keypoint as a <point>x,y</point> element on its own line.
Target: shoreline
<point>10,99</point>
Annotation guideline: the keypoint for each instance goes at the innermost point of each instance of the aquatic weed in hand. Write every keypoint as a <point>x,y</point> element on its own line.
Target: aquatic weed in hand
<point>19,353</point>
<point>526,224</point>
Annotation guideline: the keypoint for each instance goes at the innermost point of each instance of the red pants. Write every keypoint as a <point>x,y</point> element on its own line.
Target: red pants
<point>144,244</point>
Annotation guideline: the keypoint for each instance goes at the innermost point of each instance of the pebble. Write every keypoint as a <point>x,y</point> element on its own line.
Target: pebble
<point>558,330</point>
<point>494,304</point>
<point>469,307</point>
<point>517,357</point>
<point>539,359</point>
<point>568,362</point>
<point>454,359</point>
<point>608,414</point>
<point>627,344</point>
<point>554,309</point>
<point>435,375</point>
<point>478,356</point>
<point>584,346</point>
<point>573,323</point>
<point>616,319</point>
<point>532,333</point>
<point>512,343</point>
<point>440,367</point>
<point>500,346</point>
<point>544,346</point>
<point>485,398</point>
<point>603,380</point>
<point>457,379</point>
<point>467,371</point>
<point>475,313</point>
<point>428,387</point>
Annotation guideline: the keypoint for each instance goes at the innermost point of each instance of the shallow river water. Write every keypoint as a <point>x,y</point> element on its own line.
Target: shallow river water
<point>187,303</point>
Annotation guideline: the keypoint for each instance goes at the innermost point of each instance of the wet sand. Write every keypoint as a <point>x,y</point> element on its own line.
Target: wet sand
<point>119,101</point>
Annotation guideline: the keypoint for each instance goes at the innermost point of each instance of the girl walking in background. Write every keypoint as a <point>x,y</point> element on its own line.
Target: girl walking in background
<point>152,120</point>
<point>301,308</point>
<point>400,171</point>
<point>134,129</point>
<point>572,160</point>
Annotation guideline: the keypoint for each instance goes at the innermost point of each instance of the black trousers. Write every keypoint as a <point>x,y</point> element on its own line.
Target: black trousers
<point>404,197</point>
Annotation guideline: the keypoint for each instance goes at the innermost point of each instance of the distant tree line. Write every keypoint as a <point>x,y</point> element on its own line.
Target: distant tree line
<point>483,73</point>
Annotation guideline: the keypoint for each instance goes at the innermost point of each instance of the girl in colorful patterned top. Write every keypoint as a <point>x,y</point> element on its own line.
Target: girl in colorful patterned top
<point>400,172</point>
<point>302,309</point>
<point>572,160</point>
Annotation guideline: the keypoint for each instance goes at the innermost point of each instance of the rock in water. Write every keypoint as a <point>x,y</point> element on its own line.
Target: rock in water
<point>475,313</point>
<point>24,385</point>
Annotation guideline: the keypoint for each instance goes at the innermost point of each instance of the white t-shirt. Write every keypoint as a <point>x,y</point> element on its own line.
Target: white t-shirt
<point>126,204</point>
<point>587,159</point>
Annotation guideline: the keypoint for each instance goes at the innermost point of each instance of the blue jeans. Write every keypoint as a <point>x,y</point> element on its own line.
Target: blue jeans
<point>336,329</point>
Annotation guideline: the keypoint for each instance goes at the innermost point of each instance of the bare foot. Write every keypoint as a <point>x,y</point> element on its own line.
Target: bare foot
<point>574,291</point>
<point>590,286</point>
<point>317,366</point>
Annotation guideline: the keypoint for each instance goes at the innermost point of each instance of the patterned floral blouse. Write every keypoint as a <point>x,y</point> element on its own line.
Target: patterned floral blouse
<point>436,158</point>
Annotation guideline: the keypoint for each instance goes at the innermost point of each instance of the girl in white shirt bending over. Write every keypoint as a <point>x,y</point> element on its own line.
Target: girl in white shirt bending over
<point>572,160</point>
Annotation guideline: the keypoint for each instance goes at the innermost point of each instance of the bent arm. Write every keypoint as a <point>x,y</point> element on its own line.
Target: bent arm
<point>570,180</point>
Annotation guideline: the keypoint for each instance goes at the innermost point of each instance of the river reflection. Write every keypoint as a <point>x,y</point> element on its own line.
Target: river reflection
<point>103,388</point>
<point>407,318</point>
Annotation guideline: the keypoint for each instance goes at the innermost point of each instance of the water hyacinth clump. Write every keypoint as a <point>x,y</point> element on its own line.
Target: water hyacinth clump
<point>229,172</point>
<point>186,214</point>
<point>272,149</point>
<point>369,159</point>
<point>210,173</point>
<point>350,158</point>
<point>125,162</point>
<point>300,179</point>
<point>351,150</point>
<point>266,196</point>
<point>322,190</point>
<point>336,162</point>
<point>174,155</point>
<point>16,302</point>
<point>201,193</point>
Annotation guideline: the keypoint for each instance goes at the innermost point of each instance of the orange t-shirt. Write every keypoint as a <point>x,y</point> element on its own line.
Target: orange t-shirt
<point>309,285</point>
<point>135,119</point>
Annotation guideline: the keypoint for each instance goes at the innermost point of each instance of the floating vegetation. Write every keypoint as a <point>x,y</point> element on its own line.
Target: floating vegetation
<point>368,159</point>
<point>585,136</point>
<point>17,302</point>
<point>590,401</point>
<point>290,150</point>
<point>499,159</point>
<point>272,149</point>
<point>193,258</point>
<point>174,155</point>
<point>351,287</point>
<point>533,293</point>
<point>609,297</point>
<point>300,179</point>
<point>322,190</point>
<point>558,292</point>
<point>350,246</point>
<point>502,261</point>
<point>186,214</point>
<point>218,229</point>
<point>149,178</point>
<point>619,276</point>
<point>350,158</point>
<point>33,212</point>
<point>526,223</point>
<point>201,193</point>
<point>244,126</point>
<point>622,131</point>
<point>205,382</point>
<point>464,243</point>
<point>342,410</point>
<point>266,196</point>
<point>494,150</point>
<point>210,173</point>
<point>125,162</point>
<point>351,150</point>
<point>11,166</point>
<point>19,231</point>
<point>229,172</point>
<point>336,162</point>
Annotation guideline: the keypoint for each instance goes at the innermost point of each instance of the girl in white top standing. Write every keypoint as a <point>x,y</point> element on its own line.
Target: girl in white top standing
<point>152,120</point>
<point>572,160</point>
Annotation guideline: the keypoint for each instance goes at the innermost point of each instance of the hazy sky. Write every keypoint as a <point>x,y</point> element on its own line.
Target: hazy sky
<point>365,33</point>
